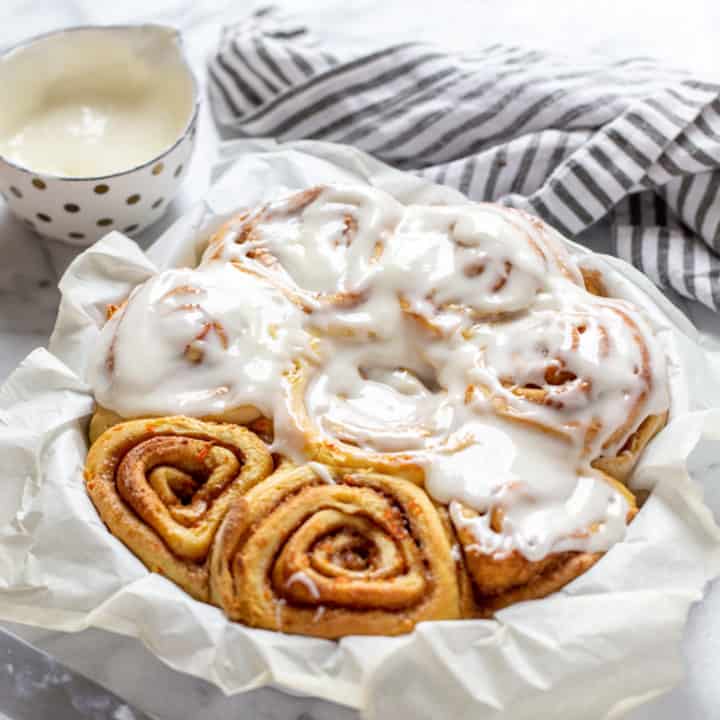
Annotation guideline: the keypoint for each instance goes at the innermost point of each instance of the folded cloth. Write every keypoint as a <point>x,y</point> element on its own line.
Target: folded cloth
<point>574,142</point>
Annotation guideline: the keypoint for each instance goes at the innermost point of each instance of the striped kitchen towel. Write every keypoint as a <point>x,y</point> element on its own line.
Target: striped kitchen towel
<point>632,141</point>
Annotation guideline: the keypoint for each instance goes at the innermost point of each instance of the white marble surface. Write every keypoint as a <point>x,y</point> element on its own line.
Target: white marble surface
<point>682,33</point>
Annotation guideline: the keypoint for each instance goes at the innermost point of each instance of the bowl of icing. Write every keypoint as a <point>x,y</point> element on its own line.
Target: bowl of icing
<point>97,129</point>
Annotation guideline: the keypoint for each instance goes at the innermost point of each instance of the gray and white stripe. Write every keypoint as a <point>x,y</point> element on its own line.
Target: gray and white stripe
<point>629,140</point>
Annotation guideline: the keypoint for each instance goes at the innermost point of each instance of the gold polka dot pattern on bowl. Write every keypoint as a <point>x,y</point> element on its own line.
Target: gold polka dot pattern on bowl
<point>82,210</point>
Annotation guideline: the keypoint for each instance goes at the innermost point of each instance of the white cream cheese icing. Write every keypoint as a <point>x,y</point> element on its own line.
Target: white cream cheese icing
<point>89,102</point>
<point>198,342</point>
<point>91,135</point>
<point>459,336</point>
<point>306,580</point>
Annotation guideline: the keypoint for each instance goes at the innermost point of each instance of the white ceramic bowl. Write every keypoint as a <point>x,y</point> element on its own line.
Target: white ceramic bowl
<point>136,160</point>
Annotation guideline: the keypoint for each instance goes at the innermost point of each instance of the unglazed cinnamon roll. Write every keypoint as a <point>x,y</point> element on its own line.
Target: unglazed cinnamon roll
<point>452,405</point>
<point>334,553</point>
<point>162,486</point>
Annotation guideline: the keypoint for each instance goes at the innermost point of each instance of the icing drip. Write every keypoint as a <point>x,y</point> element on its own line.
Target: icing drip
<point>306,580</point>
<point>524,471</point>
<point>279,607</point>
<point>323,472</point>
<point>461,338</point>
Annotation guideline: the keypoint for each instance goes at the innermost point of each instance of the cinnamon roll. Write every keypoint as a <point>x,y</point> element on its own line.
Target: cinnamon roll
<point>501,575</point>
<point>334,553</point>
<point>585,371</point>
<point>382,418</point>
<point>211,343</point>
<point>468,264</point>
<point>451,406</point>
<point>324,242</point>
<point>574,385</point>
<point>162,486</point>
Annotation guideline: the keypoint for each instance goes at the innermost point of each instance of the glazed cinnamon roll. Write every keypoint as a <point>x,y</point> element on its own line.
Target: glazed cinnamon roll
<point>323,242</point>
<point>585,371</point>
<point>327,552</point>
<point>162,486</point>
<point>501,575</point>
<point>212,344</point>
<point>480,262</point>
<point>382,418</point>
<point>576,388</point>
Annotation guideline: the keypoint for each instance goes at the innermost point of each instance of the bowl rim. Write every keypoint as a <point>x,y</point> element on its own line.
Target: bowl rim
<point>177,37</point>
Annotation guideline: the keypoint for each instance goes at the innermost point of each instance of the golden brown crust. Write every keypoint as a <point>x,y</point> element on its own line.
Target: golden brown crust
<point>556,572</point>
<point>162,487</point>
<point>594,282</point>
<point>368,554</point>
<point>103,419</point>
<point>620,466</point>
<point>501,580</point>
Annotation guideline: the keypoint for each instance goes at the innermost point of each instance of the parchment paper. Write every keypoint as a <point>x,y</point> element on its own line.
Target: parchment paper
<point>607,642</point>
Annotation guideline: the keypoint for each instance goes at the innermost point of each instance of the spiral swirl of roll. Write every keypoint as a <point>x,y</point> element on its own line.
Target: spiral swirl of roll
<point>490,264</point>
<point>162,486</point>
<point>334,553</point>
